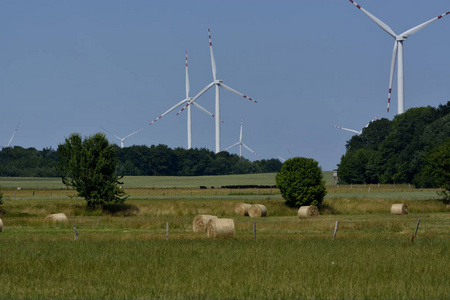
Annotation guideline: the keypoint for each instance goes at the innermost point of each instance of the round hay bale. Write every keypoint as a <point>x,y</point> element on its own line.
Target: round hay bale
<point>201,221</point>
<point>257,210</point>
<point>399,209</point>
<point>308,211</point>
<point>57,217</point>
<point>220,228</point>
<point>1,225</point>
<point>242,209</point>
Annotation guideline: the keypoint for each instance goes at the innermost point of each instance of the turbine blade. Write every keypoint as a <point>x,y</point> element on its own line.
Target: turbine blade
<point>168,111</point>
<point>421,26</point>
<point>132,133</point>
<point>250,150</point>
<point>391,77</point>
<point>376,117</point>
<point>346,129</point>
<point>111,133</point>
<point>12,137</point>
<point>187,79</point>
<point>196,97</point>
<point>380,23</point>
<point>232,146</point>
<point>213,61</point>
<point>204,110</point>
<point>236,92</point>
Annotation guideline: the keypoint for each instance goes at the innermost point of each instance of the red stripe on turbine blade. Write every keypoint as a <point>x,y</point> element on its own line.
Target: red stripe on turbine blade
<point>439,17</point>
<point>358,6</point>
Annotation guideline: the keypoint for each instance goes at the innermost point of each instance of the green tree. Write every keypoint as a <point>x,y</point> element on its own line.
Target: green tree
<point>438,167</point>
<point>301,182</point>
<point>89,167</point>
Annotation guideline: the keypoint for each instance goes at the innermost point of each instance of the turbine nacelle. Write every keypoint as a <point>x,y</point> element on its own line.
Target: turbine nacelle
<point>400,38</point>
<point>218,81</point>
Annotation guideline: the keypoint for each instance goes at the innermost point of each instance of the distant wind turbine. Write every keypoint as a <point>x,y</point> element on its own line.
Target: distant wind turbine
<point>122,140</point>
<point>240,144</point>
<point>218,83</point>
<point>398,54</point>
<point>356,131</point>
<point>185,101</point>
<point>11,139</point>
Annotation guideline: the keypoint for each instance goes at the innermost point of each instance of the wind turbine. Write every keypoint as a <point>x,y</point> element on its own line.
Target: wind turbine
<point>185,101</point>
<point>122,140</point>
<point>11,139</point>
<point>240,143</point>
<point>218,83</point>
<point>356,131</point>
<point>397,54</point>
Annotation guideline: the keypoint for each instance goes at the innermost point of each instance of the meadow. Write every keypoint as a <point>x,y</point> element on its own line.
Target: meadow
<point>125,252</point>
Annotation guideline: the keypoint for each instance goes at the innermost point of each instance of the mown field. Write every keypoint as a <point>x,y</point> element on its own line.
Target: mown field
<point>126,253</point>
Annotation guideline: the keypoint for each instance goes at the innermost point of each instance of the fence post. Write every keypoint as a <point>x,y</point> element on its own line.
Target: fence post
<point>254,230</point>
<point>75,232</point>
<point>167,231</point>
<point>417,228</point>
<point>335,229</point>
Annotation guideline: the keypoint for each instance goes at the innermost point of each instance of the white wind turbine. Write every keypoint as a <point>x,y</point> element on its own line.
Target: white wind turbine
<point>397,54</point>
<point>188,100</point>
<point>218,83</point>
<point>122,140</point>
<point>11,139</point>
<point>240,143</point>
<point>356,131</point>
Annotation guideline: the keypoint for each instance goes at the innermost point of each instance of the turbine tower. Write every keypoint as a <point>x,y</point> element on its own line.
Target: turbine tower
<point>186,100</point>
<point>11,139</point>
<point>356,131</point>
<point>122,140</point>
<point>397,54</point>
<point>240,143</point>
<point>217,83</point>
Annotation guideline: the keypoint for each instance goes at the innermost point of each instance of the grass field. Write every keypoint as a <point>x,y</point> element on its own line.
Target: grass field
<point>158,181</point>
<point>123,253</point>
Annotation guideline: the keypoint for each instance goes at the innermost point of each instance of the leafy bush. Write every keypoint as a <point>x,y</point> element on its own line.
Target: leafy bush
<point>89,167</point>
<point>438,167</point>
<point>301,182</point>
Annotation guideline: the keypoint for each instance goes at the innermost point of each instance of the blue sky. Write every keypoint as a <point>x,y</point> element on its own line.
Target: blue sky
<point>74,66</point>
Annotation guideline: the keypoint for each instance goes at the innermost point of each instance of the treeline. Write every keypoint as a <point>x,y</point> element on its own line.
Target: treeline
<point>139,160</point>
<point>396,151</point>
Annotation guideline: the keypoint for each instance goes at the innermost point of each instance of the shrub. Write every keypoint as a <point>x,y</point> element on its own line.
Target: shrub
<point>89,167</point>
<point>301,182</point>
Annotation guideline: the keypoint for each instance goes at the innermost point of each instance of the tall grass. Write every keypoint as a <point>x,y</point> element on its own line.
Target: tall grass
<point>218,269</point>
<point>122,252</point>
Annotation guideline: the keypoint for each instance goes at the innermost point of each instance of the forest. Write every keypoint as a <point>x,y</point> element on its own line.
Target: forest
<point>141,160</point>
<point>397,151</point>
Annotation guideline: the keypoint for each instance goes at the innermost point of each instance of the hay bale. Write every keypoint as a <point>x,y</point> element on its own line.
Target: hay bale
<point>399,209</point>
<point>257,210</point>
<point>201,221</point>
<point>310,211</point>
<point>242,209</point>
<point>57,218</point>
<point>1,225</point>
<point>220,228</point>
